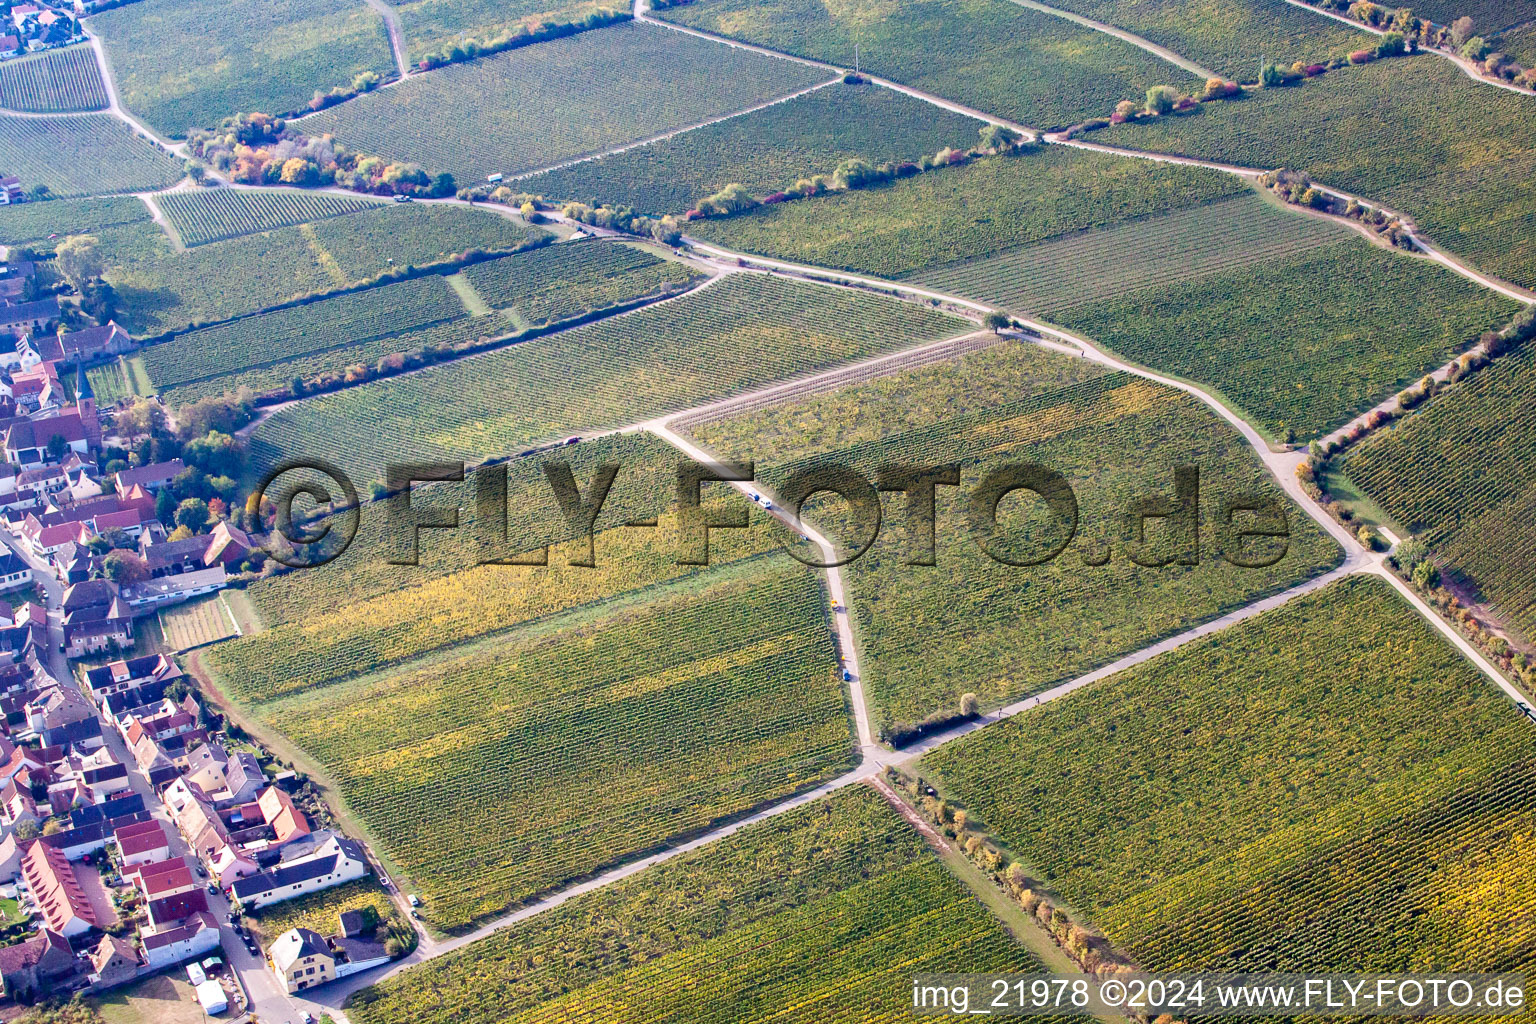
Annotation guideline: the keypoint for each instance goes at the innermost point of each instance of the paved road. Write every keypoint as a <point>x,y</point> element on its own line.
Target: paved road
<point>1176,59</point>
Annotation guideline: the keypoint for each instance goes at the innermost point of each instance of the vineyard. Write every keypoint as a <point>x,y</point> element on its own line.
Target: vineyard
<point>318,910</point>
<point>1458,473</point>
<point>34,222</point>
<point>79,156</point>
<point>644,488</point>
<point>1166,250</point>
<point>516,111</point>
<point>972,624</point>
<point>268,338</point>
<point>1414,133</point>
<point>160,289</point>
<point>829,909</point>
<point>183,64</point>
<point>109,383</point>
<point>214,214</point>
<point>766,151</point>
<point>560,281</point>
<point>281,375</point>
<point>359,636</point>
<point>967,213</point>
<point>1326,787</point>
<point>55,82</point>
<point>432,25</point>
<point>197,623</point>
<point>1030,67</point>
<point>494,771</point>
<point>1487,15</point>
<point>1376,321</point>
<point>1228,35</point>
<point>670,356</point>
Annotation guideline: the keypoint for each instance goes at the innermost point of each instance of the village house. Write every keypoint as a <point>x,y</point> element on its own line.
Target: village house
<point>151,477</point>
<point>330,863</point>
<point>195,937</point>
<point>57,892</point>
<point>29,317</point>
<point>142,843</point>
<point>33,967</point>
<point>113,962</point>
<point>89,345</point>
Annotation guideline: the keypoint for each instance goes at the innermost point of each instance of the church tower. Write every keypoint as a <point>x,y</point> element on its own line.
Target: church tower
<point>85,405</point>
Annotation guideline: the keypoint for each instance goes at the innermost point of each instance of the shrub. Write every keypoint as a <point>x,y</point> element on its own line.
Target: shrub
<point>1161,99</point>
<point>1362,57</point>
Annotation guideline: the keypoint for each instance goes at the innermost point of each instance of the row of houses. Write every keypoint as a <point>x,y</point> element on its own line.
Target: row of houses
<point>32,27</point>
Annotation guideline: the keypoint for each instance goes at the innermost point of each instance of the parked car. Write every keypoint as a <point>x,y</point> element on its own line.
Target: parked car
<point>402,199</point>
<point>415,900</point>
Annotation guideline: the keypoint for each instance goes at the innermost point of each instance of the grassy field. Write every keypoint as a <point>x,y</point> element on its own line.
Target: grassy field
<point>335,323</point>
<point>828,909</point>
<point>160,289</point>
<point>431,25</point>
<point>35,222</point>
<point>197,623</point>
<point>55,82</point>
<point>606,374</point>
<point>1414,133</point>
<point>644,488</point>
<point>1030,67</point>
<point>214,214</point>
<point>478,767</point>
<point>1229,36</point>
<point>517,111</point>
<point>1329,786</point>
<point>183,64</point>
<point>767,150</point>
<point>81,156</point>
<point>966,213</point>
<point>1458,473</point>
<point>1165,249</point>
<point>971,624</point>
<point>561,281</point>
<point>1376,321</point>
<point>160,999</point>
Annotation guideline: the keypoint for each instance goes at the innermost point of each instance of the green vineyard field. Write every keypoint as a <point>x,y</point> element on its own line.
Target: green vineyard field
<point>183,64</point>
<point>966,213</point>
<point>671,356</point>
<point>35,222</point>
<point>970,624</point>
<point>645,488</point>
<point>82,156</point>
<point>1414,133</point>
<point>259,341</point>
<point>109,384</point>
<point>766,150</point>
<point>214,214</point>
<point>1327,787</point>
<point>477,768</point>
<point>562,281</point>
<point>55,82</point>
<point>1376,322</point>
<point>1458,473</point>
<point>1007,60</point>
<point>1229,36</point>
<point>517,111</point>
<point>430,26</point>
<point>1162,250</point>
<point>160,289</point>
<point>828,909</point>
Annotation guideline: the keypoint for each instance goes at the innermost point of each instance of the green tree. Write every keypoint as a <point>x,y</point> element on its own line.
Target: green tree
<point>193,514</point>
<point>79,260</point>
<point>123,567</point>
<point>165,506</point>
<point>995,321</point>
<point>1161,98</point>
<point>57,446</point>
